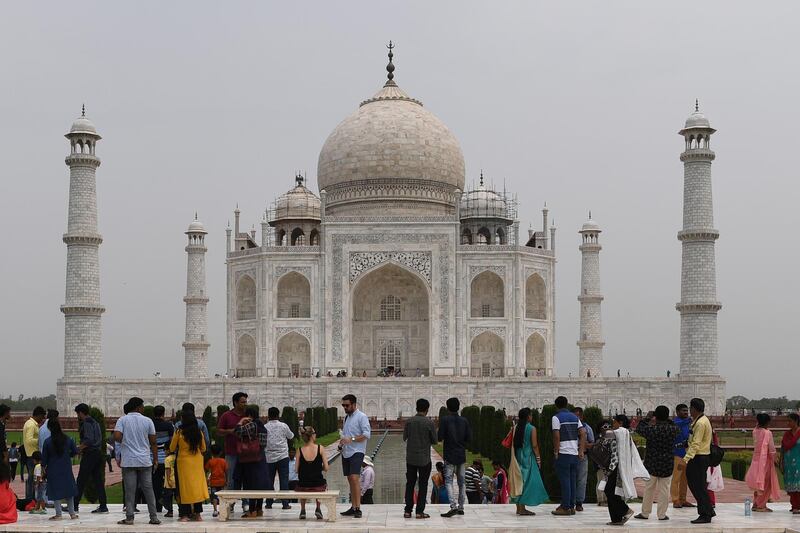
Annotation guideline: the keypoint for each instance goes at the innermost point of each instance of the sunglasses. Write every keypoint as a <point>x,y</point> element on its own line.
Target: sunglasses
<point>346,405</point>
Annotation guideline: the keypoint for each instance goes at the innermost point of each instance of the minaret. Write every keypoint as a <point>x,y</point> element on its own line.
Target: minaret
<point>698,306</point>
<point>82,309</point>
<point>196,343</point>
<point>591,332</point>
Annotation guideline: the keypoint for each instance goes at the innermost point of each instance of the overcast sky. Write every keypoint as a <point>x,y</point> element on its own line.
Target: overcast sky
<point>205,104</point>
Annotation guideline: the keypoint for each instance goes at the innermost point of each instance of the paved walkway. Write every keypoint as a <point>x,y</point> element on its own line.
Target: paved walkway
<point>389,519</point>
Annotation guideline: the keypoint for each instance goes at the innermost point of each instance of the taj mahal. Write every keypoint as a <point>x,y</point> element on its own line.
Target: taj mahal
<point>395,281</point>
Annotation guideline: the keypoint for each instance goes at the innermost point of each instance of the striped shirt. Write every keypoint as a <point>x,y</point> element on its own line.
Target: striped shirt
<point>472,479</point>
<point>568,426</point>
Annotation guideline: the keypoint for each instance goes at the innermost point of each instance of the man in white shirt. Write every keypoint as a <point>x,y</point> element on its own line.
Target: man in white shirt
<point>277,452</point>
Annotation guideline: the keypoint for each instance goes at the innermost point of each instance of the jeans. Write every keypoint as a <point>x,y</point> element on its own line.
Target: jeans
<point>580,485</point>
<point>414,473</point>
<point>459,470</point>
<point>696,476</point>
<point>91,469</point>
<point>12,465</point>
<point>567,471</point>
<point>233,476</point>
<point>141,478</point>
<point>29,491</point>
<point>617,508</point>
<point>158,486</point>
<point>282,468</point>
<point>70,506</point>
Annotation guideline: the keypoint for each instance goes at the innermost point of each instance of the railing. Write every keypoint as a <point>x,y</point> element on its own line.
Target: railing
<point>247,373</point>
<point>288,373</point>
<point>478,372</point>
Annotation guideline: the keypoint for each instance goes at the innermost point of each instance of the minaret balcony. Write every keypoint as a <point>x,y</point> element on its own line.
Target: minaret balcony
<point>590,298</point>
<point>82,159</point>
<point>698,154</point>
<point>591,344</point>
<point>82,238</point>
<point>705,234</point>
<point>83,310</point>
<point>199,345</point>
<point>195,300</point>
<point>698,308</point>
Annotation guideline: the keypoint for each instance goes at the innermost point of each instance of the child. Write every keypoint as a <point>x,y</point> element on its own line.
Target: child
<point>217,470</point>
<point>169,484</point>
<point>8,500</point>
<point>293,479</point>
<point>38,483</point>
<point>13,459</point>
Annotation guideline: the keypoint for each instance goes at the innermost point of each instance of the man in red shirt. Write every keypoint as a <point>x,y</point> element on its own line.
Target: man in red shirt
<point>225,426</point>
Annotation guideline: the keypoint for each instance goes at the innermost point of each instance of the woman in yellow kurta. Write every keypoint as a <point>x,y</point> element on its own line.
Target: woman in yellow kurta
<point>188,441</point>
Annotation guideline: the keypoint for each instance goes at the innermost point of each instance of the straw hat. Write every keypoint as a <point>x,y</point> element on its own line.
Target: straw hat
<point>368,461</point>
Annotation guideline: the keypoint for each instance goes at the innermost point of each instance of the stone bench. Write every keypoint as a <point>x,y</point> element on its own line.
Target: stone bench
<point>228,497</point>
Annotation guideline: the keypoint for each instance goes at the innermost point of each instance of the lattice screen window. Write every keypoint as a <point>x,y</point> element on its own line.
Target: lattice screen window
<point>486,371</point>
<point>390,355</point>
<point>390,308</point>
<point>294,311</point>
<point>295,369</point>
<point>486,310</point>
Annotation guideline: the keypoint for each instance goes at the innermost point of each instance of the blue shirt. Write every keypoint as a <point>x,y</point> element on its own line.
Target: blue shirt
<point>568,427</point>
<point>684,425</point>
<point>134,450</point>
<point>44,434</point>
<point>203,428</point>
<point>354,425</point>
<point>589,433</point>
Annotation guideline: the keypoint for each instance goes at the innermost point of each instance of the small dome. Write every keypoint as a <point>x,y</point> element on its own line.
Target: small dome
<point>483,203</point>
<point>83,125</point>
<point>297,204</point>
<point>590,225</point>
<point>196,226</point>
<point>697,120</point>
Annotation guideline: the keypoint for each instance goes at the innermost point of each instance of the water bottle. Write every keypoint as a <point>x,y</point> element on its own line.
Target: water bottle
<point>748,503</point>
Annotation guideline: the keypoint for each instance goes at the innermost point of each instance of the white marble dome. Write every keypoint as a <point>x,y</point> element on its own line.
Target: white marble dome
<point>391,137</point>
<point>590,225</point>
<point>697,120</point>
<point>483,203</point>
<point>83,125</point>
<point>196,227</point>
<point>300,203</point>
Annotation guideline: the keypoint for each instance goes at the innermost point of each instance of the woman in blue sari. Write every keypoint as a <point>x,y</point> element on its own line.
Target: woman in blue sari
<point>525,481</point>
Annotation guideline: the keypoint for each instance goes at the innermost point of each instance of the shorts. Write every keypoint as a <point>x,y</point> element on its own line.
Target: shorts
<point>212,493</point>
<point>351,466</point>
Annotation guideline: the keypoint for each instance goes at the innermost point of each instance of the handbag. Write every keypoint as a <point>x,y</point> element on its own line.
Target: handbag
<point>716,455</point>
<point>509,440</point>
<point>601,453</point>
<point>248,451</point>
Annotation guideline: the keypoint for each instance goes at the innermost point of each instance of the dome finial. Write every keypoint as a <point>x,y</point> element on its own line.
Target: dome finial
<point>195,215</point>
<point>590,214</point>
<point>299,178</point>
<point>696,105</point>
<point>83,110</point>
<point>390,66</point>
<point>481,177</point>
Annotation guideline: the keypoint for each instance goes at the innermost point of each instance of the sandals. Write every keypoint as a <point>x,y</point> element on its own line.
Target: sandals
<point>526,513</point>
<point>406,515</point>
<point>422,516</point>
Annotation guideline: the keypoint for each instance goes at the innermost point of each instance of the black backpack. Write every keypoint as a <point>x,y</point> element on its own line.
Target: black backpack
<point>716,452</point>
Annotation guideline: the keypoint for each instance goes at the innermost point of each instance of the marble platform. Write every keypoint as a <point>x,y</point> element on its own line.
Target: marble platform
<point>389,518</point>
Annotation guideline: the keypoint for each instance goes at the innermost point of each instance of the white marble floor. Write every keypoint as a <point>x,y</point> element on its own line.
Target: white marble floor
<point>389,519</point>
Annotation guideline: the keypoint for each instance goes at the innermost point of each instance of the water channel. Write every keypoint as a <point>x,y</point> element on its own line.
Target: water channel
<point>390,469</point>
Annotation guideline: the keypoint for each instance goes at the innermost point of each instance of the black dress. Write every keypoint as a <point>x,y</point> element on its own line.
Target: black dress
<point>310,478</point>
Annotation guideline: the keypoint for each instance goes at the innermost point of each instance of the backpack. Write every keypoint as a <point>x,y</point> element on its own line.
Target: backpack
<point>601,453</point>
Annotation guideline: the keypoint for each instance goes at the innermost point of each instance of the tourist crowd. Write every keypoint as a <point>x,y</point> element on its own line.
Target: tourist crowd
<point>163,460</point>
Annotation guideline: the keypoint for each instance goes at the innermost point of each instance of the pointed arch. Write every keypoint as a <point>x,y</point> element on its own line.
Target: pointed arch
<point>246,354</point>
<point>245,298</point>
<point>484,236</point>
<point>487,355</point>
<point>293,356</point>
<point>500,236</point>
<point>535,297</point>
<point>280,237</point>
<point>487,295</point>
<point>535,355</point>
<point>298,237</point>
<point>313,239</point>
<point>466,236</point>
<point>293,296</point>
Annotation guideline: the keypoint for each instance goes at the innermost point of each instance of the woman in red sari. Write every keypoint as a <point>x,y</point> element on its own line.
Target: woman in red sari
<point>8,500</point>
<point>762,476</point>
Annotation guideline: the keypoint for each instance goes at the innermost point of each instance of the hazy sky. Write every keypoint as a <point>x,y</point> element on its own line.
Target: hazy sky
<point>202,105</point>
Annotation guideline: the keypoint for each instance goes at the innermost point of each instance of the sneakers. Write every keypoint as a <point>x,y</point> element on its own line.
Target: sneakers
<point>126,522</point>
<point>154,522</point>
<point>451,513</point>
<point>640,516</point>
<point>579,507</point>
<point>561,511</point>
<point>100,510</point>
<point>702,520</point>
<point>303,514</point>
<point>169,514</point>
<point>318,514</point>
<point>349,512</point>
<point>356,513</point>
<point>214,514</point>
